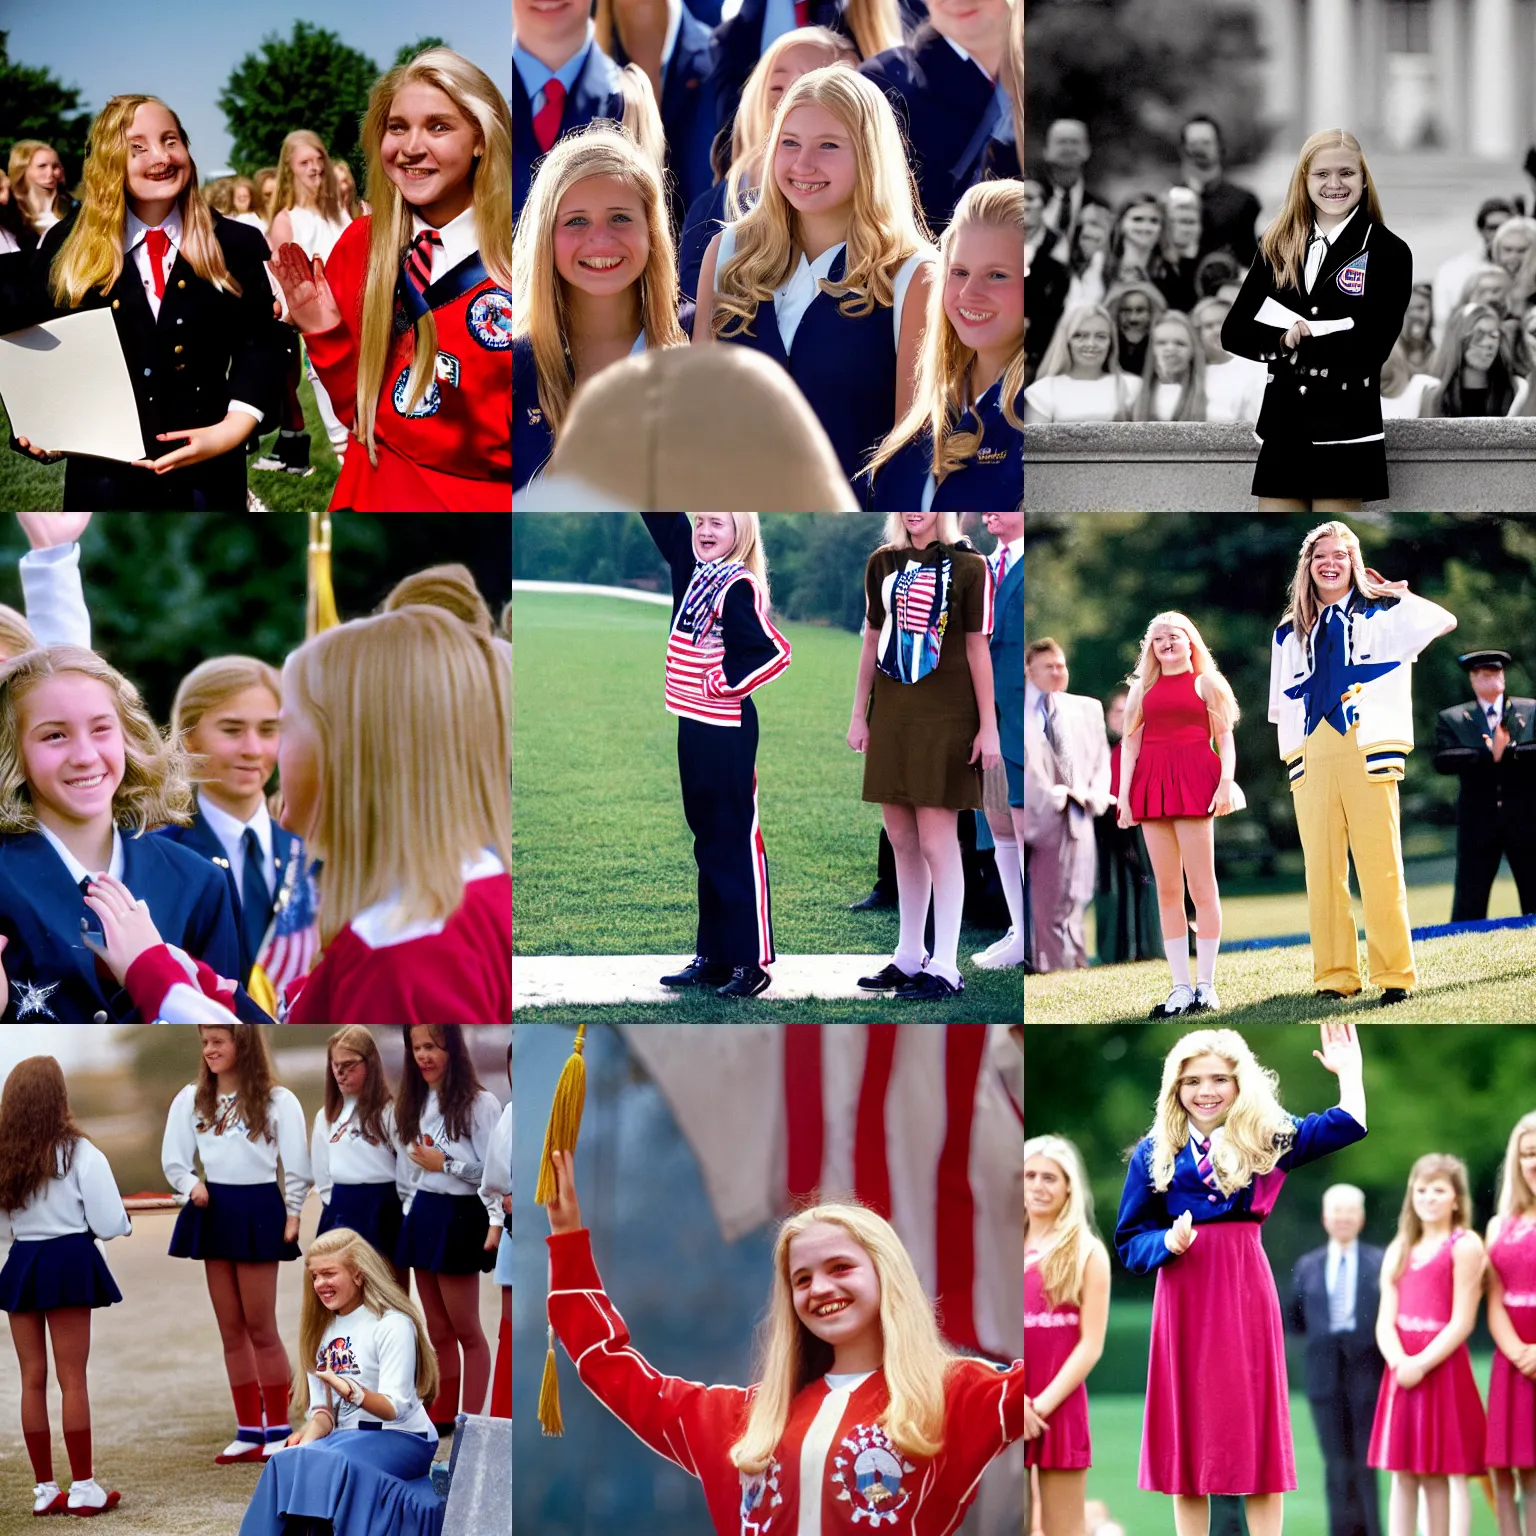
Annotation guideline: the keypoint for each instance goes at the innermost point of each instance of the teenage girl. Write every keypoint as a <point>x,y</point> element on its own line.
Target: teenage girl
<point>1172,784</point>
<point>1080,377</point>
<point>1200,1185</point>
<point>57,1197</point>
<point>722,648</point>
<point>595,280</point>
<point>1329,258</point>
<point>361,1169</point>
<point>410,323</point>
<point>450,1235</point>
<point>1430,1424</point>
<point>365,1363</point>
<point>961,444</point>
<point>924,718</point>
<point>828,273</point>
<point>1136,244</point>
<point>1066,1313</point>
<point>36,175</point>
<point>1472,374</point>
<point>497,1186</point>
<point>846,1301</point>
<point>1173,385</point>
<point>88,770</point>
<point>346,189</point>
<point>1511,1448</point>
<point>192,307</point>
<point>236,1121</point>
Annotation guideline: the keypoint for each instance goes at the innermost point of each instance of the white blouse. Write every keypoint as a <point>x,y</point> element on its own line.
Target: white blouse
<point>339,1153</point>
<point>1234,390</point>
<point>228,1154</point>
<point>1059,397</point>
<point>497,1180</point>
<point>380,1352</point>
<point>466,1155</point>
<point>1410,403</point>
<point>83,1200</point>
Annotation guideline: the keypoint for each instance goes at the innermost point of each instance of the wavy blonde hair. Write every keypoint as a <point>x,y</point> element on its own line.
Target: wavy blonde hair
<point>450,587</point>
<point>21,155</point>
<point>411,718</point>
<point>1222,709</point>
<point>15,633</point>
<point>483,106</point>
<point>1284,244</point>
<point>541,299</point>
<point>1516,1197</point>
<point>155,789</point>
<point>1302,607</point>
<point>92,256</point>
<point>1058,355</point>
<point>1257,1131</point>
<point>380,1294</point>
<point>945,365</point>
<point>1062,1270</point>
<point>1433,1165</point>
<point>885,221</point>
<point>286,193</point>
<point>915,1357</point>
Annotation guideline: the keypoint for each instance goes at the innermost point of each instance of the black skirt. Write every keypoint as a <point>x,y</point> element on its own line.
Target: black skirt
<point>370,1210</point>
<point>41,1274</point>
<point>446,1234</point>
<point>1304,471</point>
<point>241,1222</point>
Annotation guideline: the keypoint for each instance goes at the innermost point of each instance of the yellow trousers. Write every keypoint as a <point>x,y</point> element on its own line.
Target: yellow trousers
<point>1341,812</point>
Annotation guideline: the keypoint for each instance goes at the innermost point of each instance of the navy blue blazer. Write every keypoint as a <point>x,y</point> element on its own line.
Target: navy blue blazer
<point>1348,1359</point>
<point>595,94</point>
<point>54,977</point>
<point>704,220</point>
<point>991,480</point>
<point>532,440</point>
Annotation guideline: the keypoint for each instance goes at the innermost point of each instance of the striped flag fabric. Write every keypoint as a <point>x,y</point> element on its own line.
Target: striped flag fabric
<point>292,945</point>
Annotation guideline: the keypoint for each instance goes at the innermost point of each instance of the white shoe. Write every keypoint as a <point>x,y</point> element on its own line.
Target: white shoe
<point>1206,1000</point>
<point>239,1450</point>
<point>87,1494</point>
<point>1180,1001</point>
<point>270,1447</point>
<point>268,461</point>
<point>1008,951</point>
<point>44,1497</point>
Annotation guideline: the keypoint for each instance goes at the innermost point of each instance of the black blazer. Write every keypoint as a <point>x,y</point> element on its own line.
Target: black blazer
<point>1462,747</point>
<point>1328,390</point>
<point>1228,216</point>
<point>1337,1361</point>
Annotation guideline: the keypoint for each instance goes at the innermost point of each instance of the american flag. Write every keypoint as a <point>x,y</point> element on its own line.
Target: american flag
<point>915,604</point>
<point>292,944</point>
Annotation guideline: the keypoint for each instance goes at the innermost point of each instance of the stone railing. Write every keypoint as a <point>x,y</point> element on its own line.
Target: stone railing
<point>1473,464</point>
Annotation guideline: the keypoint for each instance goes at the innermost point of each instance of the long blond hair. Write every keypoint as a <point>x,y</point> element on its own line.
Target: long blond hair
<point>1303,608</point>
<point>1284,244</point>
<point>915,1358</point>
<point>944,368</point>
<point>894,534</point>
<point>1191,402</point>
<point>15,633</point>
<point>1516,1197</point>
<point>748,546</point>
<point>1433,1165</point>
<point>1257,1132</point>
<point>1222,707</point>
<point>1063,1268</point>
<point>21,155</point>
<point>476,95</point>
<point>412,723</point>
<point>155,789</point>
<point>92,256</point>
<point>211,682</point>
<point>885,222</point>
<point>541,302</point>
<point>286,193</point>
<point>380,1294</point>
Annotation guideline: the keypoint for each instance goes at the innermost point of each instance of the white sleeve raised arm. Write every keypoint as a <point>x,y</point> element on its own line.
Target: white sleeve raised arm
<point>178,1148</point>
<point>293,1147</point>
<point>54,597</point>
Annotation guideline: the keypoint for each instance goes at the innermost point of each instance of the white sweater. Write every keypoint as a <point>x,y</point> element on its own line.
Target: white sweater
<point>339,1153</point>
<point>228,1155</point>
<point>381,1353</point>
<point>466,1155</point>
<point>498,1161</point>
<point>83,1200</point>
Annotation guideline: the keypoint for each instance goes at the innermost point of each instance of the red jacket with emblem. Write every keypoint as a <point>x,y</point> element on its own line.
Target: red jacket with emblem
<point>832,1440</point>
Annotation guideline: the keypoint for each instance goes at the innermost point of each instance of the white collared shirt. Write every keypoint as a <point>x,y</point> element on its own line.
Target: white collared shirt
<point>77,870</point>
<point>1498,711</point>
<point>1349,1257</point>
<point>1317,251</point>
<point>1216,1136</point>
<point>230,831</point>
<point>135,246</point>
<point>459,240</point>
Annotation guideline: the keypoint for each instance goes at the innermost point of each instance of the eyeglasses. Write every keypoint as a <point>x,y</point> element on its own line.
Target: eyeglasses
<point>342,1067</point>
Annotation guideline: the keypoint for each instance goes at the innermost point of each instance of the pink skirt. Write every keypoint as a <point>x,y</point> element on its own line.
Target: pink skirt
<point>1511,1416</point>
<point>1065,1446</point>
<point>1215,1325</point>
<point>1174,779</point>
<point>1437,1427</point>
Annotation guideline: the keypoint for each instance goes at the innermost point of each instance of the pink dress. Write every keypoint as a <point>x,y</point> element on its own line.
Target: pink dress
<point>1511,1396</point>
<point>1437,1427</point>
<point>1050,1335</point>
<point>1177,769</point>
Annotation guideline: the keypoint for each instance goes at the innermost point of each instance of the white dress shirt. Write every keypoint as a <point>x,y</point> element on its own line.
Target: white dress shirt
<point>77,870</point>
<point>459,240</point>
<point>1317,250</point>
<point>1498,712</point>
<point>230,831</point>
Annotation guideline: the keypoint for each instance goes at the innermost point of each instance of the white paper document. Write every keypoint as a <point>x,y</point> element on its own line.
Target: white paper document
<point>1272,312</point>
<point>66,388</point>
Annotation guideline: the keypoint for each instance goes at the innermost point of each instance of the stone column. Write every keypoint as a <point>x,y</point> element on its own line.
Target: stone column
<point>1447,47</point>
<point>1491,74</point>
<point>1331,66</point>
<point>1285,69</point>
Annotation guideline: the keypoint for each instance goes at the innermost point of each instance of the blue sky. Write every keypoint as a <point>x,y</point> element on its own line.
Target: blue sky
<point>185,50</point>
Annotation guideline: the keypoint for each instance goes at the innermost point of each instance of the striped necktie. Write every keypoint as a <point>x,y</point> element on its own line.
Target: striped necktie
<point>1203,1162</point>
<point>1338,1296</point>
<point>418,259</point>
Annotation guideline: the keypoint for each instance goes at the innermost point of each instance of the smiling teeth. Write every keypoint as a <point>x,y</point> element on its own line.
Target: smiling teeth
<point>90,783</point>
<point>807,186</point>
<point>975,316</point>
<point>831,1308</point>
<point>601,263</point>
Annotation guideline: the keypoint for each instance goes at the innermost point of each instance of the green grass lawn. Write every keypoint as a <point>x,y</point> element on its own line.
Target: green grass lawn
<point>1470,978</point>
<point>603,857</point>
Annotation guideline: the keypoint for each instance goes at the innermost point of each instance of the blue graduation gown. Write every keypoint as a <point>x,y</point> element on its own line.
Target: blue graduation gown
<point>992,480</point>
<point>595,94</point>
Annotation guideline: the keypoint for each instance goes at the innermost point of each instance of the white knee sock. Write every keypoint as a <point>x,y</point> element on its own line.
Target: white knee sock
<point>1177,950</point>
<point>1205,960</point>
<point>1011,873</point>
<point>912,889</point>
<point>948,902</point>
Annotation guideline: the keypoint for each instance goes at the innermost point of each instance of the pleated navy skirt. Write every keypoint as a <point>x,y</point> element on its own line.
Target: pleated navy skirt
<point>44,1273</point>
<point>446,1234</point>
<point>241,1222</point>
<point>370,1210</point>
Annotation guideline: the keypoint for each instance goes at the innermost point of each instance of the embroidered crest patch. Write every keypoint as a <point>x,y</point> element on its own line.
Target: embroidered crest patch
<point>490,320</point>
<point>869,1471</point>
<point>1351,278</point>
<point>429,404</point>
<point>760,1500</point>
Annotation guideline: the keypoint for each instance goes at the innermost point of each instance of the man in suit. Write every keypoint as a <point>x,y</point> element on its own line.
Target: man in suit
<point>1490,744</point>
<point>1228,212</point>
<point>1335,1290</point>
<point>1067,150</point>
<point>1047,278</point>
<point>1066,772</point>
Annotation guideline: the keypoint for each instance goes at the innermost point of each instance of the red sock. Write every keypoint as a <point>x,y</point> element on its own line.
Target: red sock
<point>501,1378</point>
<point>247,1398</point>
<point>40,1450</point>
<point>77,1442</point>
<point>444,1408</point>
<point>274,1401</point>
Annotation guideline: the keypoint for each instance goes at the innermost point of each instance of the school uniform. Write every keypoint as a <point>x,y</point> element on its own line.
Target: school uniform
<point>589,80</point>
<point>497,1183</point>
<point>53,976</point>
<point>1320,425</point>
<point>363,1181</point>
<point>452,451</point>
<point>834,1470</point>
<point>721,648</point>
<point>447,1219</point>
<point>533,440</point>
<point>991,480</point>
<point>245,1215</point>
<point>54,1260</point>
<point>1216,1317</point>
<point>193,355</point>
<point>704,220</point>
<point>845,367</point>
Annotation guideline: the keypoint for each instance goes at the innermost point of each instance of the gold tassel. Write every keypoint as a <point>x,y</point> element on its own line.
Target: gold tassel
<point>564,1116</point>
<point>549,1394</point>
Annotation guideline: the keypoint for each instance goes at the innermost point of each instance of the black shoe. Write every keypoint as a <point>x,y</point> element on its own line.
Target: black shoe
<point>1392,995</point>
<point>746,981</point>
<point>886,979</point>
<point>1337,997</point>
<point>876,901</point>
<point>699,972</point>
<point>926,987</point>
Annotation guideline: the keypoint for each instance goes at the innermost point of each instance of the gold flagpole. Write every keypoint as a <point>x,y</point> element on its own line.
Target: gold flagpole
<point>320,601</point>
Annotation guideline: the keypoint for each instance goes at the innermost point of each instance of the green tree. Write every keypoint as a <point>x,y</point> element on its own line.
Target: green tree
<point>309,80</point>
<point>410,50</point>
<point>35,105</point>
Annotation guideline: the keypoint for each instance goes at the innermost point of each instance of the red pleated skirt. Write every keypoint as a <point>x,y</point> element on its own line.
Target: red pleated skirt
<point>1218,1410</point>
<point>1511,1416</point>
<point>1174,779</point>
<point>1065,1446</point>
<point>1436,1427</point>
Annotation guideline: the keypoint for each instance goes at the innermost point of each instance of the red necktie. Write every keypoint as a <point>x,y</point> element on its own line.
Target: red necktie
<point>158,243</point>
<point>546,121</point>
<point>418,259</point>
<point>802,13</point>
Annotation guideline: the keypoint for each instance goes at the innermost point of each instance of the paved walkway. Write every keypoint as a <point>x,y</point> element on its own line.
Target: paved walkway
<point>543,980</point>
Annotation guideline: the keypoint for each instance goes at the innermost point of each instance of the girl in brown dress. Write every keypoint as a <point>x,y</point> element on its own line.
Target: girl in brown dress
<point>928,732</point>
